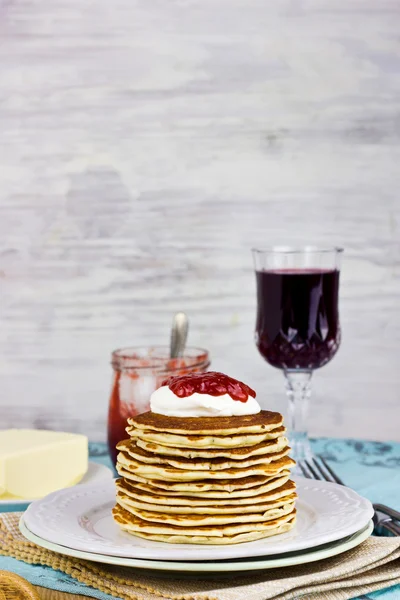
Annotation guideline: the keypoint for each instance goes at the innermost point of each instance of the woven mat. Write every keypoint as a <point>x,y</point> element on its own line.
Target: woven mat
<point>374,565</point>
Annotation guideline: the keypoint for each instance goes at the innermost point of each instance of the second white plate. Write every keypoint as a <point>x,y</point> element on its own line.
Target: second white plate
<point>238,565</point>
<point>80,518</point>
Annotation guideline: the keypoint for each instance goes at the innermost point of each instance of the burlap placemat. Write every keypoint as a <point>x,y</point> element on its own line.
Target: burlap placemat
<point>374,565</point>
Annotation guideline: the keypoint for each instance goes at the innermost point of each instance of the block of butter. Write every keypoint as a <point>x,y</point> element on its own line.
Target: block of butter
<point>34,463</point>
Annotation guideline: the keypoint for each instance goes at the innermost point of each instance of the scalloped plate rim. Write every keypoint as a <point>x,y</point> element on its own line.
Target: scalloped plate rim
<point>80,518</point>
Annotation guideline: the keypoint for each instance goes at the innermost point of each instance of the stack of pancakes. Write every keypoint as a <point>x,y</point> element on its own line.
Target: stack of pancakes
<point>205,480</point>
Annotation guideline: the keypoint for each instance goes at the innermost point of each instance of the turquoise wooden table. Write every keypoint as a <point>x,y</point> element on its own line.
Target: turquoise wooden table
<point>371,468</point>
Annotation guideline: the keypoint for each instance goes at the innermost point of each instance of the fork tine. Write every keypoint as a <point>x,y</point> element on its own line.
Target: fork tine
<point>321,470</point>
<point>331,473</point>
<point>313,471</point>
<point>304,469</point>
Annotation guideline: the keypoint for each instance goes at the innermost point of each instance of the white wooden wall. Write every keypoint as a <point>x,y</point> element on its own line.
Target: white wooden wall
<point>146,145</point>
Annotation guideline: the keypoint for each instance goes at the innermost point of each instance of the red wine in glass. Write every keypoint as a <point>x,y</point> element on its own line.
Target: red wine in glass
<point>297,323</point>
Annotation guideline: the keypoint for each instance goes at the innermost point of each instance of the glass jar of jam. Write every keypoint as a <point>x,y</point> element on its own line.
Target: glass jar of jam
<point>137,373</point>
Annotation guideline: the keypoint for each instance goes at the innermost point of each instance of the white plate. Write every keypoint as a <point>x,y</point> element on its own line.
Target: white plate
<point>242,564</point>
<point>96,473</point>
<point>80,518</point>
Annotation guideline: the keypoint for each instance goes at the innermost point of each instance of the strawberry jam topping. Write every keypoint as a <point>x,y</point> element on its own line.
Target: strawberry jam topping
<point>212,383</point>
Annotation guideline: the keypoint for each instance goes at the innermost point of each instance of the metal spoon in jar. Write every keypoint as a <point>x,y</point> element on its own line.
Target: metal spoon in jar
<point>179,333</point>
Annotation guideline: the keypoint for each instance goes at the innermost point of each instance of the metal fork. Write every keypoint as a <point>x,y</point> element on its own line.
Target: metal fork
<point>384,517</point>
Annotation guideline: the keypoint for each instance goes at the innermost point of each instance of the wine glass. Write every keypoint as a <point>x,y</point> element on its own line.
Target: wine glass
<point>297,325</point>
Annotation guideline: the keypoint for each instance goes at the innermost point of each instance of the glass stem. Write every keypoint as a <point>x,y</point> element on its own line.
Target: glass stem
<point>298,389</point>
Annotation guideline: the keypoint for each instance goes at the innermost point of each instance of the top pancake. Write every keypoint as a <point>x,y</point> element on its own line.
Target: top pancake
<point>261,422</point>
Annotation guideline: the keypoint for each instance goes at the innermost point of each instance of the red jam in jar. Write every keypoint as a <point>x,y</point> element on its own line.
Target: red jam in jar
<point>138,372</point>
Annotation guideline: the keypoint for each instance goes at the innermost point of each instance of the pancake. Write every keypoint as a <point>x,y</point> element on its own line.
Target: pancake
<point>211,519</point>
<point>161,499</point>
<point>168,473</point>
<point>267,447</point>
<point>260,422</point>
<point>250,536</point>
<point>197,464</point>
<point>205,485</point>
<point>205,441</point>
<point>229,512</point>
<point>244,493</point>
<point>189,534</point>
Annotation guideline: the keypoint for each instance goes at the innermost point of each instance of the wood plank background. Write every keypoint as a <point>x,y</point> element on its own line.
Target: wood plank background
<point>146,146</point>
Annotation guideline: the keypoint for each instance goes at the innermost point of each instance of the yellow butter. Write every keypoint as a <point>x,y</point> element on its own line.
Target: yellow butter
<point>34,463</point>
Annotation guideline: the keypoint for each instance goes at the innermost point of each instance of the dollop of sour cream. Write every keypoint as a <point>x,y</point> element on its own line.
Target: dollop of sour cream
<point>165,402</point>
